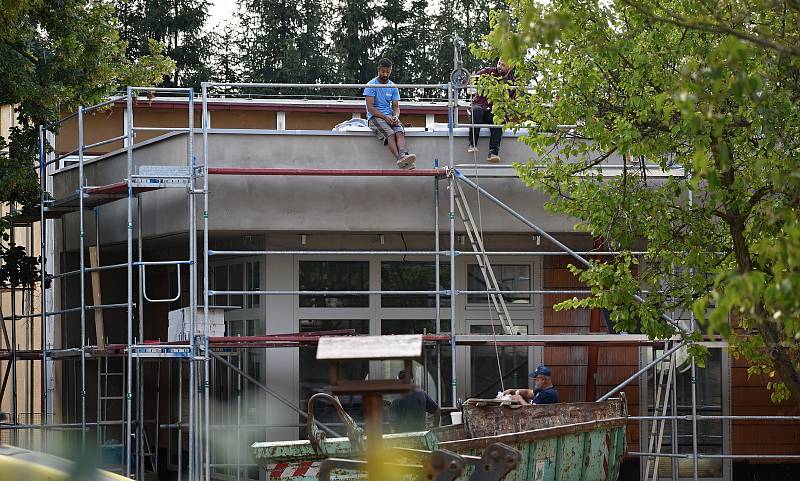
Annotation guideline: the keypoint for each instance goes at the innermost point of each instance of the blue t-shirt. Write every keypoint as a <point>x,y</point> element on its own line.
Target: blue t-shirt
<point>546,396</point>
<point>383,97</point>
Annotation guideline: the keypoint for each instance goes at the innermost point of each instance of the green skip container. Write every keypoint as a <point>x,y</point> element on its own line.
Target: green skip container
<point>558,442</point>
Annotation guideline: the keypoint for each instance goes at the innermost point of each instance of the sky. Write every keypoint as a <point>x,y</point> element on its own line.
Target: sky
<point>221,11</point>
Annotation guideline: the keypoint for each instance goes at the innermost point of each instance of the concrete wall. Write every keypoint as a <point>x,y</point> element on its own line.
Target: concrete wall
<point>259,203</point>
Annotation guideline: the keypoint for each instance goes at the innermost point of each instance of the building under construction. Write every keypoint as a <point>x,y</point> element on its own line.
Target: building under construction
<point>196,246</point>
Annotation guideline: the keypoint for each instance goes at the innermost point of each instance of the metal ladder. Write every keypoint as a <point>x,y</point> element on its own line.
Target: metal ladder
<point>656,436</point>
<point>490,280</point>
<point>111,410</point>
<point>144,451</point>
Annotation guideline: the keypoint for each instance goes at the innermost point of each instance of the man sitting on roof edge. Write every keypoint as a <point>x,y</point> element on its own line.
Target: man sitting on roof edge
<point>383,115</point>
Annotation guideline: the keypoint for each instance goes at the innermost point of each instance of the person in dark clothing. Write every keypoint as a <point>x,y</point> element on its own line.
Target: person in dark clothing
<point>407,414</point>
<point>482,112</point>
<point>543,393</point>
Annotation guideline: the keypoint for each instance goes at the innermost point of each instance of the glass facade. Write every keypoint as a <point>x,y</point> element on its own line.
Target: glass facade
<point>509,278</point>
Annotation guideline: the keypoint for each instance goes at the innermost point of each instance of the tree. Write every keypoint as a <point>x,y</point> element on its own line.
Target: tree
<point>54,57</point>
<point>447,23</point>
<point>673,83</point>
<point>225,56</point>
<point>270,52</point>
<point>354,40</point>
<point>178,24</point>
<point>475,17</point>
<point>420,55</point>
<point>313,45</point>
<point>395,40</point>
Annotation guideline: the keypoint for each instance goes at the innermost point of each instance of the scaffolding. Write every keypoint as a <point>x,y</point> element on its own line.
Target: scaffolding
<point>197,353</point>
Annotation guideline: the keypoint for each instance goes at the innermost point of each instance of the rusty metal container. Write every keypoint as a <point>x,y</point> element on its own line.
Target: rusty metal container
<point>558,442</point>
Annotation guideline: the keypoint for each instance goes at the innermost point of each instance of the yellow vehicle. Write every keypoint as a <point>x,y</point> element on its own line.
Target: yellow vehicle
<point>22,465</point>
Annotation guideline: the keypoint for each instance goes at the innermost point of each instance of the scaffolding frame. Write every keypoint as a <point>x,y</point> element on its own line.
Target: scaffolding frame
<point>201,349</point>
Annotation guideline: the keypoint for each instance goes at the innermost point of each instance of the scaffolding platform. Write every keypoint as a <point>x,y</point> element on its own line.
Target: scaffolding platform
<point>92,197</point>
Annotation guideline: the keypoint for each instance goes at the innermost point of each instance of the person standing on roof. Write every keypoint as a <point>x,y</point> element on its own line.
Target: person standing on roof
<point>482,112</point>
<point>383,115</point>
<point>543,392</point>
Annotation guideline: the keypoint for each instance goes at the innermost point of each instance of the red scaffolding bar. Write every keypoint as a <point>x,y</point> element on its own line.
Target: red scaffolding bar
<point>327,172</point>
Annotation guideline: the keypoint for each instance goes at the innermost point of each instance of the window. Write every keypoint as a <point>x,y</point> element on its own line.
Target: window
<point>413,326</point>
<point>219,277</point>
<point>334,276</point>
<point>236,277</point>
<point>484,359</point>
<point>314,374</point>
<point>509,278</point>
<point>426,373</point>
<point>413,276</point>
<point>236,283</point>
<point>253,283</point>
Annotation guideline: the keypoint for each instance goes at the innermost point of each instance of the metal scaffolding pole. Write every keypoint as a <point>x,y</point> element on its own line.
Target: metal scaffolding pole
<point>271,392</point>
<point>140,315</point>
<point>194,461</point>
<point>674,430</point>
<point>640,372</point>
<point>12,366</point>
<point>445,253</point>
<point>82,260</point>
<point>451,113</point>
<point>204,124</point>
<point>437,269</point>
<point>42,284</point>
<point>693,381</point>
<point>129,311</point>
<point>179,444</point>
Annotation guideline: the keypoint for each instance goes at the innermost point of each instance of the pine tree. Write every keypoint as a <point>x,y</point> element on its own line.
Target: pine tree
<point>178,24</point>
<point>421,51</point>
<point>395,39</point>
<point>447,23</point>
<point>225,56</point>
<point>129,15</point>
<point>269,43</point>
<point>314,48</point>
<point>476,26</point>
<point>354,40</point>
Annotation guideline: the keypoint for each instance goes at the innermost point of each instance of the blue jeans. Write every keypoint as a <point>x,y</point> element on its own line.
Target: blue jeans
<point>483,116</point>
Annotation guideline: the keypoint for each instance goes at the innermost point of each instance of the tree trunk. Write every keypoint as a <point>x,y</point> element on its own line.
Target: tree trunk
<point>780,359</point>
<point>786,369</point>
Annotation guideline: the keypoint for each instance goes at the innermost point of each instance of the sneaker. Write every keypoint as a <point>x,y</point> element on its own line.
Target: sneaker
<point>493,158</point>
<point>472,149</point>
<point>407,161</point>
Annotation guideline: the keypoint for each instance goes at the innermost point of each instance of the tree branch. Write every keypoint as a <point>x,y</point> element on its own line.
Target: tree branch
<point>718,28</point>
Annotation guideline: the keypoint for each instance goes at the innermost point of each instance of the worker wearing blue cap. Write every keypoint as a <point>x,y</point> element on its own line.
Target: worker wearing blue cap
<point>543,392</point>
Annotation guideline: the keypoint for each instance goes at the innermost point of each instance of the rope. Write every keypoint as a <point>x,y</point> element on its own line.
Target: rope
<point>480,227</point>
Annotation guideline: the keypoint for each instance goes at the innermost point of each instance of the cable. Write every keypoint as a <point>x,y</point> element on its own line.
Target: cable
<point>480,228</point>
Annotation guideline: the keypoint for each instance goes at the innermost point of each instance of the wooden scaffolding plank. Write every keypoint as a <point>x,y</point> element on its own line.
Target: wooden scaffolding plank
<point>99,328</point>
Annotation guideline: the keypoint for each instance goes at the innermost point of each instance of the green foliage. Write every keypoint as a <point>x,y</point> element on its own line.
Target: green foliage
<point>54,56</point>
<point>674,84</point>
<point>354,40</point>
<point>283,41</point>
<point>178,26</point>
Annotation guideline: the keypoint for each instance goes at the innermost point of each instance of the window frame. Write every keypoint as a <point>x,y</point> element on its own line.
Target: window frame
<point>495,264</point>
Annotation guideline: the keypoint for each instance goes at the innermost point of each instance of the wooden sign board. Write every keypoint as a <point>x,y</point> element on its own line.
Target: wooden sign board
<point>343,348</point>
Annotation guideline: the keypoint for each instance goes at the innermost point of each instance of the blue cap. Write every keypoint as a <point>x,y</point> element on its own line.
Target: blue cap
<point>541,371</point>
